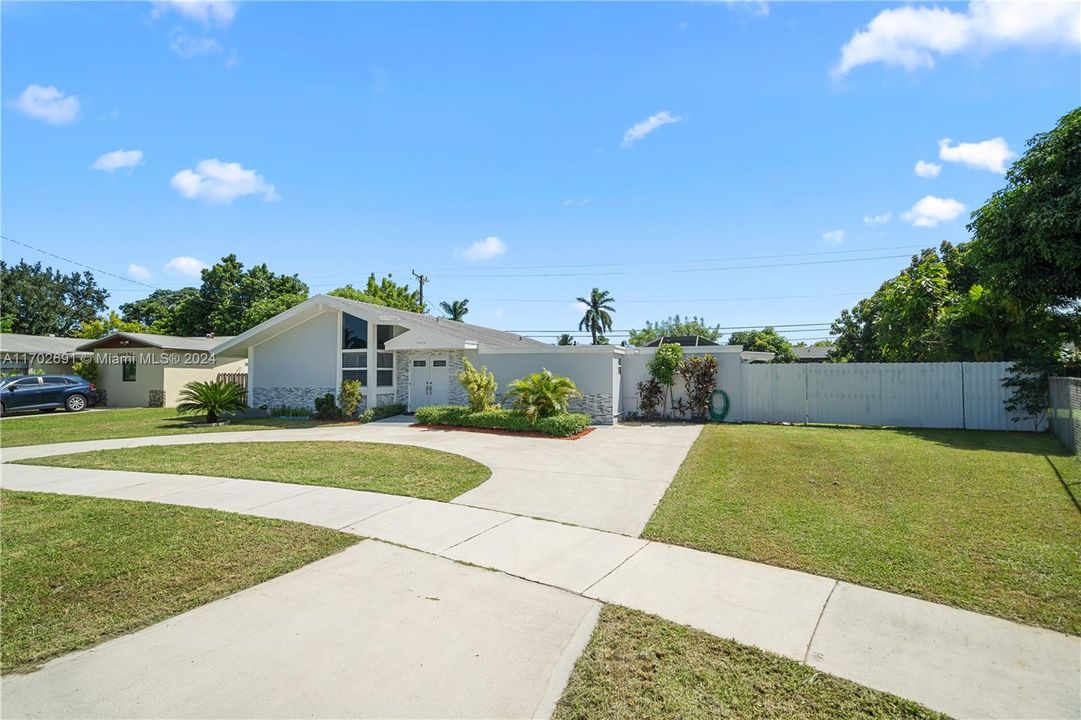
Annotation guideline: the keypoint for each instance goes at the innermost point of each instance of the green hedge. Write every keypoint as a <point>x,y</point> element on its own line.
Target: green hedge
<point>560,425</point>
<point>381,412</point>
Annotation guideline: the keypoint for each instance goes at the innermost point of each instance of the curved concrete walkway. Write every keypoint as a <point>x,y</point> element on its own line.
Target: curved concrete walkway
<point>961,663</point>
<point>611,479</point>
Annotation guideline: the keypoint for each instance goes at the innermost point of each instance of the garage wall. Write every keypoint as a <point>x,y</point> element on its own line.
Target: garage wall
<point>728,377</point>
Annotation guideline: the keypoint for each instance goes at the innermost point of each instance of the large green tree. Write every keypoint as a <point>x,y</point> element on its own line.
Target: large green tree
<point>231,299</point>
<point>673,326</point>
<point>765,340</point>
<point>42,301</point>
<point>598,315</point>
<point>1027,237</point>
<point>156,310</point>
<point>386,292</point>
<point>100,327</point>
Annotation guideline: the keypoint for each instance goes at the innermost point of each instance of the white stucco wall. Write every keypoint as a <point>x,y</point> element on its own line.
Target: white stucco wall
<point>180,374</point>
<point>298,364</point>
<point>728,378</point>
<point>135,393</point>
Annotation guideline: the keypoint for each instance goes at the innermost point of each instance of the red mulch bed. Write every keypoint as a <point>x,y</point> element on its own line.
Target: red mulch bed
<point>513,433</point>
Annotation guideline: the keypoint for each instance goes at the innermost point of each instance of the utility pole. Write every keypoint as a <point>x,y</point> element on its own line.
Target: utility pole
<point>421,279</point>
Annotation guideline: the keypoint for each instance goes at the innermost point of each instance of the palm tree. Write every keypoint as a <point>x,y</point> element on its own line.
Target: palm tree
<point>598,318</point>
<point>212,398</point>
<point>565,339</point>
<point>455,309</point>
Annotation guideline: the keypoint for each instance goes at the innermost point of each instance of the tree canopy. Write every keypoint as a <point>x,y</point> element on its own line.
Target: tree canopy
<point>156,310</point>
<point>673,326</point>
<point>100,327</point>
<point>386,292</point>
<point>43,301</point>
<point>765,340</point>
<point>455,309</point>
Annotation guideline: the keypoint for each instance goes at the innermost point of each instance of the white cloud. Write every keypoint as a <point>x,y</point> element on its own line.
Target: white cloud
<point>927,169</point>
<point>485,249</point>
<point>185,265</point>
<point>189,46</point>
<point>575,202</point>
<point>218,13</point>
<point>118,159</point>
<point>214,181</point>
<point>834,237</point>
<point>138,272</point>
<point>640,130</point>
<point>913,37</point>
<point>880,219</point>
<point>987,155</point>
<point>931,210</point>
<point>754,7</point>
<point>48,104</point>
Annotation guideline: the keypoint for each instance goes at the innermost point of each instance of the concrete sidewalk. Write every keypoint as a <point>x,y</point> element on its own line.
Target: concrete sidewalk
<point>611,479</point>
<point>375,631</point>
<point>958,662</point>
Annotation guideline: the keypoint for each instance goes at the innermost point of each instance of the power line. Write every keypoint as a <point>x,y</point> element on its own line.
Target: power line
<point>678,300</point>
<point>651,263</point>
<point>76,262</point>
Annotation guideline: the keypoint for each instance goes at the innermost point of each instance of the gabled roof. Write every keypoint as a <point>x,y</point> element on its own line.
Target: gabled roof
<point>163,342</point>
<point>33,344</point>
<point>435,332</point>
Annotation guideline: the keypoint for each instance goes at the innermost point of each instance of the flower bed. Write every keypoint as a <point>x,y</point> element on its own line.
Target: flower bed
<point>562,425</point>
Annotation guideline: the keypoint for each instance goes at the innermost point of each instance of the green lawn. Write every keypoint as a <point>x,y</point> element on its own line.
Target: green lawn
<point>640,666</point>
<point>119,423</point>
<point>76,571</point>
<point>978,520</point>
<point>395,469</point>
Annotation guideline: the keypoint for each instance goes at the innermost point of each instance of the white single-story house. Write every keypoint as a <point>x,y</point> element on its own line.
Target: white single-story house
<point>145,370</point>
<point>413,359</point>
<point>38,354</point>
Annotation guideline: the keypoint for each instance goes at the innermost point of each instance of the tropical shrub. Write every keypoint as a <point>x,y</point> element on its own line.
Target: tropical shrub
<point>349,397</point>
<point>381,412</point>
<point>479,385</point>
<point>699,373</point>
<point>662,367</point>
<point>87,369</point>
<point>541,394</point>
<point>214,398</point>
<point>650,398</point>
<point>562,425</point>
<point>326,408</point>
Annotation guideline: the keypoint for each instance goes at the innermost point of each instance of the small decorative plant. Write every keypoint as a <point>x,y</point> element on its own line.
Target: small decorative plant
<point>87,369</point>
<point>650,398</point>
<point>541,394</point>
<point>214,398</point>
<point>349,397</point>
<point>699,373</point>
<point>479,385</point>
<point>663,366</point>
<point>326,408</point>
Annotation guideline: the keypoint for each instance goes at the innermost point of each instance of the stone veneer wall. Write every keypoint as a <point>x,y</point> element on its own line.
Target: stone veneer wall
<point>598,406</point>
<point>456,394</point>
<point>157,399</point>
<point>293,396</point>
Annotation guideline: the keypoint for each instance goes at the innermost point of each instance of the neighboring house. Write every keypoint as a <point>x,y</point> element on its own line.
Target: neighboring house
<point>684,340</point>
<point>413,359</point>
<point>144,370</point>
<point>813,354</point>
<point>38,354</point>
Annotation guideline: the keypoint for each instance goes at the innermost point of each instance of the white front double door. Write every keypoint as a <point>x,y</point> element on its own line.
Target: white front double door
<point>429,380</point>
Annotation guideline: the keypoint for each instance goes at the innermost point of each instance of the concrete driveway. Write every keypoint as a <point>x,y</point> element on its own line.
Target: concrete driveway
<point>376,631</point>
<point>611,479</point>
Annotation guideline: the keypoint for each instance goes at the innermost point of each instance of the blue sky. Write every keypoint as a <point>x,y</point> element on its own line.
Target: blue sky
<point>337,139</point>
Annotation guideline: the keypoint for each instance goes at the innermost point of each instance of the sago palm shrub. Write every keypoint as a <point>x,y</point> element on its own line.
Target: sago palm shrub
<point>213,398</point>
<point>542,394</point>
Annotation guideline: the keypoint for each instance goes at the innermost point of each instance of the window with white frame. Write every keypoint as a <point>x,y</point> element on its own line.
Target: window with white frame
<point>384,359</point>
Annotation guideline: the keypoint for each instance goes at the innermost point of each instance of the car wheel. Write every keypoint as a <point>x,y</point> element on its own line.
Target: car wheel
<point>75,403</point>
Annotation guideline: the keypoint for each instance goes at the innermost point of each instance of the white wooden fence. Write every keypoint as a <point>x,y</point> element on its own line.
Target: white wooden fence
<point>932,395</point>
